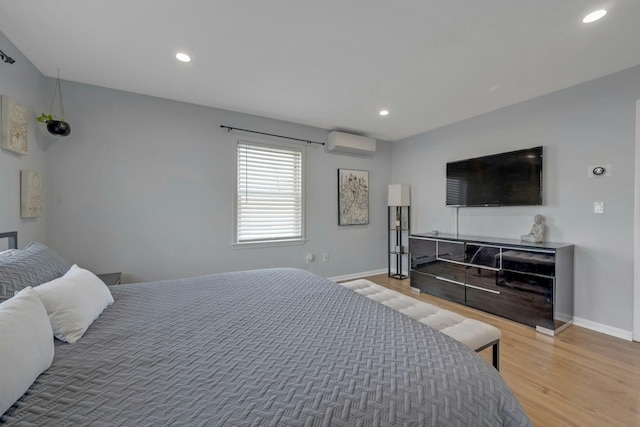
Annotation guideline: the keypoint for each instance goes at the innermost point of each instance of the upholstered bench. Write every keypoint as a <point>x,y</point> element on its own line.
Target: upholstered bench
<point>473,333</point>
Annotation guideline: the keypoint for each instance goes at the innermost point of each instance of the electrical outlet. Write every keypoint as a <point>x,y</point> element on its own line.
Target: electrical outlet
<point>325,257</point>
<point>309,258</point>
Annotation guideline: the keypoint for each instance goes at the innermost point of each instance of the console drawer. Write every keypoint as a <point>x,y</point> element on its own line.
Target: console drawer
<point>440,288</point>
<point>423,253</point>
<point>451,251</point>
<point>521,297</point>
<point>483,278</point>
<point>445,270</point>
<point>483,255</point>
<point>522,308</point>
<point>529,262</point>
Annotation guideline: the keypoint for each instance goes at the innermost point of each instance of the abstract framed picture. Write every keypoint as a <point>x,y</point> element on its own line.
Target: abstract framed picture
<point>353,197</point>
<point>14,125</point>
<point>30,194</point>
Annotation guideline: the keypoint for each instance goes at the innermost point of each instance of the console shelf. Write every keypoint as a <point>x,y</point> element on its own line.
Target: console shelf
<point>531,283</point>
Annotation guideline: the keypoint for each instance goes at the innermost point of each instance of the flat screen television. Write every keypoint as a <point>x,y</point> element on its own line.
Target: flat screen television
<point>505,179</point>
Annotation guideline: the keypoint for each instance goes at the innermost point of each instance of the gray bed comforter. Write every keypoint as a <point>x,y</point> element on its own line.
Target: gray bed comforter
<point>263,348</point>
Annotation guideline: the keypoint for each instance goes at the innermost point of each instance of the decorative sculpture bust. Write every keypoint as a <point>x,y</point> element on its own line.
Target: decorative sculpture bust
<point>537,231</point>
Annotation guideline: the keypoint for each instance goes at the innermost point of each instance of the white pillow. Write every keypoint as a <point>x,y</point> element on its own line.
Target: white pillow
<point>73,302</point>
<point>26,345</point>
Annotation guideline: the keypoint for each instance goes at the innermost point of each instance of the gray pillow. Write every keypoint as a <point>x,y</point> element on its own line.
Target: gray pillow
<point>32,266</point>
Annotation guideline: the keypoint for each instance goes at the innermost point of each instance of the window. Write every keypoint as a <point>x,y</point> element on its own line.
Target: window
<point>269,199</point>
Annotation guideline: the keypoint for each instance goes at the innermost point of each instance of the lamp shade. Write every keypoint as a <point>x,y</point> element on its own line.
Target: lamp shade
<point>399,195</point>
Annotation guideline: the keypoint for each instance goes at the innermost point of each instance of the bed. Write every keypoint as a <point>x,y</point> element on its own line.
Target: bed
<point>264,347</point>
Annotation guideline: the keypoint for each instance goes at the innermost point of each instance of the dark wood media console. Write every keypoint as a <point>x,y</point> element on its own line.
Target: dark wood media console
<point>531,283</point>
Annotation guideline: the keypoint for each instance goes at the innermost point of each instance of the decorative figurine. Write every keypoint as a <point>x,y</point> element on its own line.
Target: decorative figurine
<point>537,231</point>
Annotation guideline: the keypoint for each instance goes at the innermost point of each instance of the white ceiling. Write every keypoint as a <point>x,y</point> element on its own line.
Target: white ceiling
<point>330,63</point>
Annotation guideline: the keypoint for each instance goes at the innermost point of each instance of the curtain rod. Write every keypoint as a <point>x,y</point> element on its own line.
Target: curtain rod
<point>6,58</point>
<point>229,129</point>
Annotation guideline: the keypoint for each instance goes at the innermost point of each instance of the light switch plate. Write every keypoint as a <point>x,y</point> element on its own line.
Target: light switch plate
<point>598,207</point>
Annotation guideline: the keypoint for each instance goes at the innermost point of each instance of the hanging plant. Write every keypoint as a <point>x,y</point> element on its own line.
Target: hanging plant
<point>57,126</point>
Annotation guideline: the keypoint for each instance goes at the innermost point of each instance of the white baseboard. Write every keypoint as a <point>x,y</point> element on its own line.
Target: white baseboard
<point>599,327</point>
<point>357,275</point>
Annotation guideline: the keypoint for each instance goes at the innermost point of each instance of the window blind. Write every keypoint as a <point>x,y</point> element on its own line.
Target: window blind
<point>269,193</point>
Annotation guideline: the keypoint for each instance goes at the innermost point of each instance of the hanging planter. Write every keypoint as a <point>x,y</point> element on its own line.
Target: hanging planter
<point>55,125</point>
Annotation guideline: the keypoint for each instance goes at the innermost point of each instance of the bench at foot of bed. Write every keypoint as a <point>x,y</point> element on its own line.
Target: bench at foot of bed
<point>473,333</point>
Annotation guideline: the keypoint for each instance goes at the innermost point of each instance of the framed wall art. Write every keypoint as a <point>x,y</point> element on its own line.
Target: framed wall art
<point>14,125</point>
<point>353,197</point>
<point>30,194</point>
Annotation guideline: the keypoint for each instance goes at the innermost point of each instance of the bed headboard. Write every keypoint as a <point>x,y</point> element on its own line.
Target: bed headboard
<point>13,239</point>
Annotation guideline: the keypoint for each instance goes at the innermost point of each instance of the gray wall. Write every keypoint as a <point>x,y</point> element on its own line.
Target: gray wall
<point>23,82</point>
<point>145,186</point>
<point>589,124</point>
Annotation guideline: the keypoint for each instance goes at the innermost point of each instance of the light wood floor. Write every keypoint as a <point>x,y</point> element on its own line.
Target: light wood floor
<point>578,378</point>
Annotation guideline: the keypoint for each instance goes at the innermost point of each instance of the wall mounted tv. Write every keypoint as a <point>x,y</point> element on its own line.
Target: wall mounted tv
<point>505,179</point>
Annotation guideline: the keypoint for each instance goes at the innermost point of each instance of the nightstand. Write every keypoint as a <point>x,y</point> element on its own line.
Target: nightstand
<point>110,278</point>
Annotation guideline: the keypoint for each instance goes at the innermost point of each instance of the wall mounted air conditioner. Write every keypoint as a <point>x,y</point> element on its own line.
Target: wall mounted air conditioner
<point>340,142</point>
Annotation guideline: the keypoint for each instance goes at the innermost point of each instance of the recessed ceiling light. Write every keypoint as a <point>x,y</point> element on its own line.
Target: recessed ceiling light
<point>594,16</point>
<point>183,57</point>
<point>384,112</point>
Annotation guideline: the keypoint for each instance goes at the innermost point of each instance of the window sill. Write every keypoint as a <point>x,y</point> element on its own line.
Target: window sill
<point>269,244</point>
